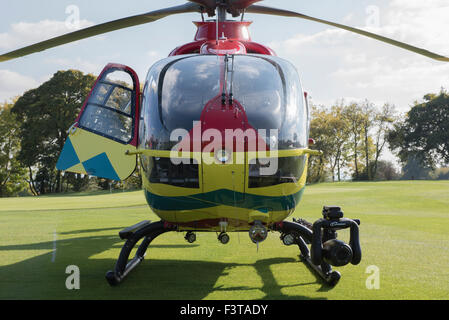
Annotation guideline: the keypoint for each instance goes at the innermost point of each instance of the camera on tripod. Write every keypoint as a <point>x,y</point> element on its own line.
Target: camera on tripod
<point>332,213</point>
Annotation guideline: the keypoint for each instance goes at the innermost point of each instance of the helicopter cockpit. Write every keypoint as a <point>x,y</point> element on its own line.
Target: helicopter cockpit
<point>267,87</point>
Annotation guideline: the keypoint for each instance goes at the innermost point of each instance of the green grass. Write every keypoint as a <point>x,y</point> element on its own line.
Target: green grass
<point>404,232</point>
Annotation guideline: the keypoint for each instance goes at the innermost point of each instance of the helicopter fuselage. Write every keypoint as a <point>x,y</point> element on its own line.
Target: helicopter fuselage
<point>223,133</point>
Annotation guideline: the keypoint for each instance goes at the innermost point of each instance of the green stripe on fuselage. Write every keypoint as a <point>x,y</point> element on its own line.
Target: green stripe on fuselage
<point>226,198</point>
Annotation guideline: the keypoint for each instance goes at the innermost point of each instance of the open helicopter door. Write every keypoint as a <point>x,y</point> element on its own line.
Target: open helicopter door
<point>106,128</point>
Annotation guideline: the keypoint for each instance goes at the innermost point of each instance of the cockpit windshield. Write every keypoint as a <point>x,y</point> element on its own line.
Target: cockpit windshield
<point>267,87</point>
<point>259,86</point>
<point>186,86</point>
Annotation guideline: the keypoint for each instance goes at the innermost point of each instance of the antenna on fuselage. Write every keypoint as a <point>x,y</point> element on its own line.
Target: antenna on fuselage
<point>225,82</point>
<point>216,32</point>
<point>231,89</point>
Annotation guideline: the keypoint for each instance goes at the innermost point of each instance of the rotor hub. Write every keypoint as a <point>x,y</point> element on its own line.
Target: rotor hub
<point>221,7</point>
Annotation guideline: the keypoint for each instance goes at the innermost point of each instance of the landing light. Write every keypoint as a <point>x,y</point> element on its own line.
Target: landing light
<point>223,155</point>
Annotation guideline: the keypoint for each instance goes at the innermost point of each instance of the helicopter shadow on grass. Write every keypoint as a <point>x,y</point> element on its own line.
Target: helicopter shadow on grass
<point>43,276</point>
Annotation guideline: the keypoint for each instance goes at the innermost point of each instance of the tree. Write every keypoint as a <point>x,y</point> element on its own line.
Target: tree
<point>318,133</point>
<point>316,164</point>
<point>368,115</point>
<point>440,174</point>
<point>424,133</point>
<point>330,133</point>
<point>45,114</point>
<point>354,116</point>
<point>350,136</point>
<point>384,120</point>
<point>368,126</point>
<point>339,137</point>
<point>386,171</point>
<point>134,182</point>
<point>414,169</point>
<point>12,175</point>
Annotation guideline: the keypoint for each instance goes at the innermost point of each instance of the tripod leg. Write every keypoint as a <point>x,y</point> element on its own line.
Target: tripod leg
<point>299,235</point>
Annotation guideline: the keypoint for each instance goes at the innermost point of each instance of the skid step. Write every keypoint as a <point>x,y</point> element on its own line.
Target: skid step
<point>128,232</point>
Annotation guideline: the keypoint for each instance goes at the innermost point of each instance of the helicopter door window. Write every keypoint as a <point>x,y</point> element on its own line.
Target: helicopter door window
<point>109,110</point>
<point>120,100</point>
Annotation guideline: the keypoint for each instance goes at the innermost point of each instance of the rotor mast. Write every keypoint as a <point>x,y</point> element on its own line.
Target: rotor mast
<point>221,11</point>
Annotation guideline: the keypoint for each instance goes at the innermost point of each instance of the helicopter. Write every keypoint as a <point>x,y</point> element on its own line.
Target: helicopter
<point>220,129</point>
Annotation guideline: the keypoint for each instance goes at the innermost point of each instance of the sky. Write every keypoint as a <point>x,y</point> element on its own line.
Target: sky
<point>333,64</point>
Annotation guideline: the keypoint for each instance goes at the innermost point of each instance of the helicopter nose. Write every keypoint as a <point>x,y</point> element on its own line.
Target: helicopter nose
<point>223,129</point>
<point>223,162</point>
<point>223,137</point>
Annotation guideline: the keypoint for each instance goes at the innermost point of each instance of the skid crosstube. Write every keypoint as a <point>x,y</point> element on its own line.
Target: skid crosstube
<point>145,230</point>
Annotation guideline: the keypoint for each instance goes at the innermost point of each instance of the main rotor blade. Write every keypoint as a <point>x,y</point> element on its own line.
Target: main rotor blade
<point>286,13</point>
<point>101,29</point>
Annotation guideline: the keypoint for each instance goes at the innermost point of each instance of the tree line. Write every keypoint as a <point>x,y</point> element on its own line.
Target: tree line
<point>352,136</point>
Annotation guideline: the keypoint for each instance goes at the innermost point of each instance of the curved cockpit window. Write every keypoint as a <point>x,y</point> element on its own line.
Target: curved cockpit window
<point>270,91</point>
<point>258,85</point>
<point>178,88</point>
<point>185,87</point>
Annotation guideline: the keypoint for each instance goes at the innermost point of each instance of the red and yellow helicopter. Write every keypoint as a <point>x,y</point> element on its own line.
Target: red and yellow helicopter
<point>221,131</point>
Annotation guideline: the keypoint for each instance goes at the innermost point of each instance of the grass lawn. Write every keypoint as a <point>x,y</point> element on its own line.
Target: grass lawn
<point>404,233</point>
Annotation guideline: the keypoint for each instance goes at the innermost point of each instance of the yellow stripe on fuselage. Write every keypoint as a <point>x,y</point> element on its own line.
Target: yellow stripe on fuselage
<point>219,177</point>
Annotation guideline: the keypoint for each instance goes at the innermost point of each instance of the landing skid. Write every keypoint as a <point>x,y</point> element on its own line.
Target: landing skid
<point>325,249</point>
<point>145,230</point>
